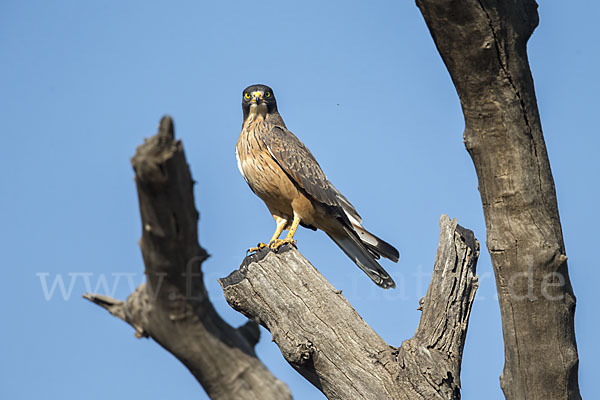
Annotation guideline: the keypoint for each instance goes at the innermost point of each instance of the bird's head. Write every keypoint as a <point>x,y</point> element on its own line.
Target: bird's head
<point>258,100</point>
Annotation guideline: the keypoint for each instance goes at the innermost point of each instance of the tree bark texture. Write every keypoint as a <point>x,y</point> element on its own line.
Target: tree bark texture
<point>325,340</point>
<point>483,44</point>
<point>172,306</point>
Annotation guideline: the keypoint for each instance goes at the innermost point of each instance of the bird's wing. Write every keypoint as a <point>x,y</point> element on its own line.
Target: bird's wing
<point>348,208</point>
<point>300,165</point>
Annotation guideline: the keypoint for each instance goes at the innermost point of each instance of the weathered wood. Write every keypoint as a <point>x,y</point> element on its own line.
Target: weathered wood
<point>172,307</point>
<point>483,44</point>
<point>436,348</point>
<point>324,339</point>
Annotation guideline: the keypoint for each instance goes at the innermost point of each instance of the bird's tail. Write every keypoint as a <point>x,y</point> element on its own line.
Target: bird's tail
<point>377,247</point>
<point>362,254</point>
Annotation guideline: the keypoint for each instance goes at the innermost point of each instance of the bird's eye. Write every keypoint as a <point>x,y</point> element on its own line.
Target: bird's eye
<point>267,94</point>
<point>246,95</point>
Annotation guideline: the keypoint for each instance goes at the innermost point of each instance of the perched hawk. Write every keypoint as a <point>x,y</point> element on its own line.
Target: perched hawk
<point>285,175</point>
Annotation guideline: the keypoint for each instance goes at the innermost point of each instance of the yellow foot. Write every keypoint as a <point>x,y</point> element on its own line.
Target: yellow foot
<point>277,243</point>
<point>259,246</point>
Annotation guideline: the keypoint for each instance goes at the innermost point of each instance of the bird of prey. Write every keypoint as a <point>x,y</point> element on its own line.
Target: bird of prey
<point>284,174</point>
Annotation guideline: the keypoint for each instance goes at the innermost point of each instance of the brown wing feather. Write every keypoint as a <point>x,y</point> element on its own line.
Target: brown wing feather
<point>299,163</point>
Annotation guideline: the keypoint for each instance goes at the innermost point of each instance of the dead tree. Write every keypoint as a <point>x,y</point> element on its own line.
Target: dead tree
<point>317,330</point>
<point>484,46</point>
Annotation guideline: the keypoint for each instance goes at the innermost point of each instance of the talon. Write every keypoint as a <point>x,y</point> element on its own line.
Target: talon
<point>259,246</point>
<point>277,243</point>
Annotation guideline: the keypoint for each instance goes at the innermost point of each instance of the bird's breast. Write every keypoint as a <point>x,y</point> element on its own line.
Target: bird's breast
<point>262,173</point>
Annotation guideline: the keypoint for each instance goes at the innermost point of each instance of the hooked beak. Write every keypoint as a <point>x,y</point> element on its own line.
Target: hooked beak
<point>257,97</point>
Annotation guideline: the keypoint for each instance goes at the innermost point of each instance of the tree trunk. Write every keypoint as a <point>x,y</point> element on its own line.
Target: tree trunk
<point>172,307</point>
<point>483,44</point>
<point>325,340</point>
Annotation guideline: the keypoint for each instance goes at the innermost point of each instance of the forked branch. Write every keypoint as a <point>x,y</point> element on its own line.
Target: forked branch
<point>324,338</point>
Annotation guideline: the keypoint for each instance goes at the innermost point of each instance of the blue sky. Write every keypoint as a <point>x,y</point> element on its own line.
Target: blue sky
<point>362,85</point>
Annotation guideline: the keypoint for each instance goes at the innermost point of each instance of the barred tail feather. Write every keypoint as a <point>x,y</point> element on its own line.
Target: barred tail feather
<point>358,252</point>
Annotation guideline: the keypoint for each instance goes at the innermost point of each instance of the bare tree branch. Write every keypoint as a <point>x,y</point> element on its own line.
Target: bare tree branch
<point>446,309</point>
<point>483,44</point>
<point>324,339</point>
<point>172,307</point>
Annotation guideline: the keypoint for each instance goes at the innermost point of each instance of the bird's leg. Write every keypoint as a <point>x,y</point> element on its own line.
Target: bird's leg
<point>281,222</point>
<point>275,244</point>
